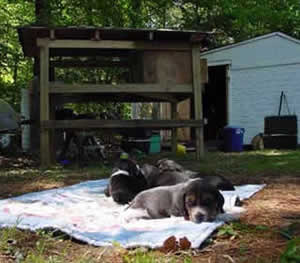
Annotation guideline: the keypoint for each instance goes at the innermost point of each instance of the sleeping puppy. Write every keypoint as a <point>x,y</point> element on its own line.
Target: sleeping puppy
<point>156,178</point>
<point>169,165</point>
<point>125,182</point>
<point>170,173</point>
<point>194,200</point>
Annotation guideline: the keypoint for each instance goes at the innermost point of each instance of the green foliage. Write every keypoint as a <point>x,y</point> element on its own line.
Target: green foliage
<point>290,231</point>
<point>7,235</point>
<point>227,230</point>
<point>15,71</point>
<point>292,252</point>
<point>233,20</point>
<point>139,257</point>
<point>97,76</point>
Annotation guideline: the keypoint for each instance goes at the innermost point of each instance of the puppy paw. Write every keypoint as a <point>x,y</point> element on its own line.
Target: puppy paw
<point>232,214</point>
<point>131,214</point>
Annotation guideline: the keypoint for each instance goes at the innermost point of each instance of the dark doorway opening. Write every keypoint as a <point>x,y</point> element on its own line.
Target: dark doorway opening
<point>215,102</point>
<point>215,108</point>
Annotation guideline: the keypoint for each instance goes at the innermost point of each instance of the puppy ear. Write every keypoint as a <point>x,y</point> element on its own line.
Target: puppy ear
<point>132,167</point>
<point>178,167</point>
<point>185,211</point>
<point>220,202</point>
<point>158,163</point>
<point>115,169</point>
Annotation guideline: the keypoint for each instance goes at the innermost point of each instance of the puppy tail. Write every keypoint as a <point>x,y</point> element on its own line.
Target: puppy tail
<point>232,214</point>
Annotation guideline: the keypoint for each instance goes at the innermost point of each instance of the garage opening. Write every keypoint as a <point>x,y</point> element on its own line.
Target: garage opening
<point>215,99</point>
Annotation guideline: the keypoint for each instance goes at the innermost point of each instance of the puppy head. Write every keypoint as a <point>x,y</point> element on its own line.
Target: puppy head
<point>127,165</point>
<point>168,165</point>
<point>202,202</point>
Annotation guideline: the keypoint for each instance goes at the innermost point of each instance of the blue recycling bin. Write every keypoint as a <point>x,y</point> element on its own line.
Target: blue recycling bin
<point>233,138</point>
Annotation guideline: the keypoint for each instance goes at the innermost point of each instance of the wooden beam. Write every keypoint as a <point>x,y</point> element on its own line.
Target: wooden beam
<point>158,97</point>
<point>198,99</point>
<point>44,106</point>
<point>114,44</point>
<point>174,130</point>
<point>120,124</point>
<point>204,71</point>
<point>88,63</point>
<point>57,88</point>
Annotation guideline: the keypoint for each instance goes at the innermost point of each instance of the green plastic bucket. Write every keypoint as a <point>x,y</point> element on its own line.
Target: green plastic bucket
<point>154,144</point>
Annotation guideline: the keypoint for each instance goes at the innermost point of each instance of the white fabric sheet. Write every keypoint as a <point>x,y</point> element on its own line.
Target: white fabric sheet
<point>83,212</point>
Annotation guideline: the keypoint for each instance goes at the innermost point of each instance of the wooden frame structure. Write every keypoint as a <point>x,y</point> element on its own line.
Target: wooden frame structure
<point>43,43</point>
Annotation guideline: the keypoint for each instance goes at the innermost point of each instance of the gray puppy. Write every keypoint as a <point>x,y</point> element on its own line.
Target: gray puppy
<point>171,173</point>
<point>194,200</point>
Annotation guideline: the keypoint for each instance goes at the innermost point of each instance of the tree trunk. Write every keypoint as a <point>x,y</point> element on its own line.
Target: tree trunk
<point>42,12</point>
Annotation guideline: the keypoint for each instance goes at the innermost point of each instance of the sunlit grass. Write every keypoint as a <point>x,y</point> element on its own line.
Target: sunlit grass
<point>244,164</point>
<point>45,249</point>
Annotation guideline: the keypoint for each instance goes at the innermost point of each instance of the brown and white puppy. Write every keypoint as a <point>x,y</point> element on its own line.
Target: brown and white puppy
<point>172,173</point>
<point>194,200</point>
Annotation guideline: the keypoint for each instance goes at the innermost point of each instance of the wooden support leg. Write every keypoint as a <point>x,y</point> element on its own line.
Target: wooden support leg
<point>52,138</point>
<point>197,86</point>
<point>174,130</point>
<point>44,106</point>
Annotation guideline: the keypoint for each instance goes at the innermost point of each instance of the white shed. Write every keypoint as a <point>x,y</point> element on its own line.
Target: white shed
<point>246,80</point>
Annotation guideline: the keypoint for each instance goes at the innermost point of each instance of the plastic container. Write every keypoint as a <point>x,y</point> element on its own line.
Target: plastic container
<point>181,149</point>
<point>233,138</point>
<point>155,144</point>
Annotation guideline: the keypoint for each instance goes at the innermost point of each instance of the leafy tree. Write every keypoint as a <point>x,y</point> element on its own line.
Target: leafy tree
<point>15,71</point>
<point>232,20</point>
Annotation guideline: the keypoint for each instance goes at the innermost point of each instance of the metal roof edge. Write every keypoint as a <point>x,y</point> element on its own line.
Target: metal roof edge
<point>245,42</point>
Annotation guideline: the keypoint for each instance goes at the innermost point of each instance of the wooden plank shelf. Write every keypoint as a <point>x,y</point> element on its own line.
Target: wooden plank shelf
<point>114,44</point>
<point>120,124</point>
<point>57,88</point>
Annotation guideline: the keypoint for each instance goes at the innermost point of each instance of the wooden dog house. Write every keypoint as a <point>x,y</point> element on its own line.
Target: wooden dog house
<point>164,66</point>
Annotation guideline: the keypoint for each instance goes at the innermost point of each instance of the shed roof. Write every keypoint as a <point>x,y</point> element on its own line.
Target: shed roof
<point>29,34</point>
<point>245,42</point>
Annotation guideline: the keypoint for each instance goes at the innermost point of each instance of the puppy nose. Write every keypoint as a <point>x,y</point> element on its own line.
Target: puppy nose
<point>211,219</point>
<point>199,217</point>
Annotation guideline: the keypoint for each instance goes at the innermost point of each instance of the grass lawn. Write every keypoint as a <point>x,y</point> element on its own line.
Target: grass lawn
<point>268,232</point>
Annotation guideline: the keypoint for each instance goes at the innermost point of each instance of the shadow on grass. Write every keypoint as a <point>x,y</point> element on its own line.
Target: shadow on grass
<point>241,168</point>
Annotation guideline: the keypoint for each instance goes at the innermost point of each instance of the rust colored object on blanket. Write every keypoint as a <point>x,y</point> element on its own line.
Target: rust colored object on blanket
<point>184,243</point>
<point>172,245</point>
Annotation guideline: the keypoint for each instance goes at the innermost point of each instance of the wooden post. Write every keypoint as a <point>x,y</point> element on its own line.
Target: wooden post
<point>174,130</point>
<point>197,86</point>
<point>44,106</point>
<point>52,105</point>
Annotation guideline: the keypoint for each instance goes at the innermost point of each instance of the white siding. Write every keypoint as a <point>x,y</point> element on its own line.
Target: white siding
<point>272,50</point>
<point>259,70</point>
<point>255,94</point>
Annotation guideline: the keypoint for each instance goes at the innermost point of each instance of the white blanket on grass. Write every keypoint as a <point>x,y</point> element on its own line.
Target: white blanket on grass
<point>83,212</point>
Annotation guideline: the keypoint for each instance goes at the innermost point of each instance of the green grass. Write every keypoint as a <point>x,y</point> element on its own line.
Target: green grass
<point>46,248</point>
<point>245,164</point>
<point>292,252</point>
<point>140,256</point>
